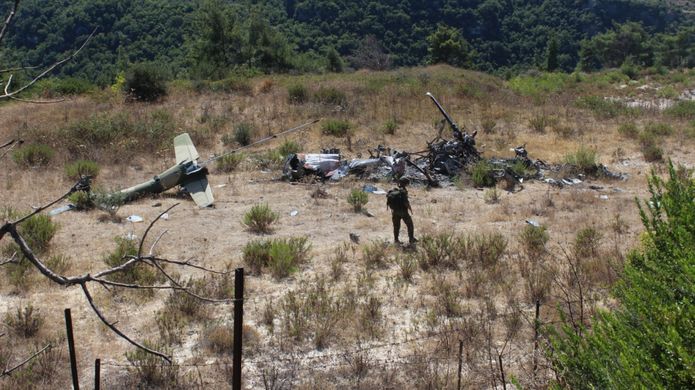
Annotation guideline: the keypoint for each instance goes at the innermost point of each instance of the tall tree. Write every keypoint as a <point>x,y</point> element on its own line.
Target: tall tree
<point>446,45</point>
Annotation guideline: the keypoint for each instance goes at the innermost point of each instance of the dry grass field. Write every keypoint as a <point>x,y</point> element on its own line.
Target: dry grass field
<point>367,315</point>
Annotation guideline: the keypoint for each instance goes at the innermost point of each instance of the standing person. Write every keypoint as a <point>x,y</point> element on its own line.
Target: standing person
<point>397,201</point>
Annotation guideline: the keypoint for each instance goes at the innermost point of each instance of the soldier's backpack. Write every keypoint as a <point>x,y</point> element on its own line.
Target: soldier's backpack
<point>397,199</point>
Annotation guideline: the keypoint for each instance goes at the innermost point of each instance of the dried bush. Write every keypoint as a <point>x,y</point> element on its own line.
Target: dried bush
<point>170,324</point>
<point>628,130</point>
<point>407,266</point>
<point>375,254</point>
<point>539,122</point>
<point>330,96</point>
<point>259,219</point>
<point>488,125</point>
<point>230,162</point>
<point>79,168</point>
<point>26,322</point>
<point>532,240</point>
<point>491,196</point>
<point>148,371</point>
<point>187,305</point>
<point>650,147</point>
<point>357,199</point>
<point>448,297</point>
<point>587,242</point>
<point>58,263</point>
<point>220,339</point>
<point>486,249</point>
<point>33,155</point>
<point>659,129</point>
<point>371,316</point>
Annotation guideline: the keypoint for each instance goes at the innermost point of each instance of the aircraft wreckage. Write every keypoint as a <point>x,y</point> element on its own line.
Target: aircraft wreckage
<point>442,160</point>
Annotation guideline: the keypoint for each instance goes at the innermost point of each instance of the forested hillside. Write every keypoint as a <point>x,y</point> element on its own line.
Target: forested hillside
<point>313,35</point>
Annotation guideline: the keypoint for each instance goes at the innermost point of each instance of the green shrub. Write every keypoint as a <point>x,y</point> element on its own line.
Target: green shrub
<point>491,196</point>
<point>437,251</point>
<point>66,86</point>
<point>357,199</point>
<point>390,127</point>
<point>532,240</point>
<point>33,155</point>
<point>82,200</point>
<point>243,133</point>
<point>270,159</point>
<point>289,147</point>
<point>239,85</point>
<point>649,147</point>
<point>650,326</point>
<point>586,243</point>
<point>628,130</point>
<point>336,127</point>
<point>259,219</point>
<point>38,231</point>
<point>407,266</point>
<point>138,273</point>
<point>488,125</point>
<point>658,129</point>
<point>281,257</point>
<point>58,263</point>
<point>683,109</point>
<point>604,108</point>
<point>298,94</point>
<point>583,160</point>
<point>145,83</point>
<point>486,249</point>
<point>229,162</point>
<point>25,322</point>
<point>629,69</point>
<point>330,96</point>
<point>482,174</point>
<point>79,168</point>
<point>539,122</point>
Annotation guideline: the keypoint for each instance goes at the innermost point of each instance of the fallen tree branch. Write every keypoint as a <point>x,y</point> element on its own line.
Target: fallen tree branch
<point>7,371</point>
<point>8,20</point>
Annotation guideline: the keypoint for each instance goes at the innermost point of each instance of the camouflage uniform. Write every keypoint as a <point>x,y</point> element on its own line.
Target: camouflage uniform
<point>399,211</point>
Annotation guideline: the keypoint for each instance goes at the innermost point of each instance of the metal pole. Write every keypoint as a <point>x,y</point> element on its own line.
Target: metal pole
<point>97,374</point>
<point>238,322</point>
<point>458,386</point>
<point>71,347</point>
<point>536,326</point>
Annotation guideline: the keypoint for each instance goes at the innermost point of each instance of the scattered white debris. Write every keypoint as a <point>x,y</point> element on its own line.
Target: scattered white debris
<point>604,197</point>
<point>165,216</point>
<point>294,213</point>
<point>134,218</point>
<point>533,223</point>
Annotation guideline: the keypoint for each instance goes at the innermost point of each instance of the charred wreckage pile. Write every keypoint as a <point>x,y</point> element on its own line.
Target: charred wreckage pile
<point>436,166</point>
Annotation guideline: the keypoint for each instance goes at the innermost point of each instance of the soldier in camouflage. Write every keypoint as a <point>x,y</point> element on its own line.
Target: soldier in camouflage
<point>397,201</point>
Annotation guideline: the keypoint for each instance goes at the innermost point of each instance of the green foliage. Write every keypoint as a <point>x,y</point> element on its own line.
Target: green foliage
<point>604,108</point>
<point>243,133</point>
<point>375,254</point>
<point>79,168</point>
<point>442,250</point>
<point>230,162</point>
<point>658,129</point>
<point>540,84</point>
<point>26,322</point>
<point>583,160</point>
<point>628,130</point>
<point>533,240</point>
<point>482,174</point>
<point>138,273</point>
<point>259,219</point>
<point>447,45</point>
<point>647,340</point>
<point>33,155</point>
<point>357,199</point>
<point>82,200</point>
<point>540,121</point>
<point>281,256</point>
<point>330,96</point>
<point>65,86</point>
<point>334,62</point>
<point>551,54</point>
<point>682,109</point>
<point>289,147</point>
<point>390,127</point>
<point>297,94</point>
<point>336,127</point>
<point>145,83</point>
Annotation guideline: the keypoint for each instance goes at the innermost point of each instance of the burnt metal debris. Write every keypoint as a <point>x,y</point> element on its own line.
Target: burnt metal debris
<point>442,160</point>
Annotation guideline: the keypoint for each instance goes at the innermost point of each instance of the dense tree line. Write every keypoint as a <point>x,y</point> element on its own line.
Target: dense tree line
<point>208,38</point>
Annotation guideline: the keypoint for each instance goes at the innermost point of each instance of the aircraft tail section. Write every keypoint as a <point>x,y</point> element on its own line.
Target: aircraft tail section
<point>184,149</point>
<point>200,191</point>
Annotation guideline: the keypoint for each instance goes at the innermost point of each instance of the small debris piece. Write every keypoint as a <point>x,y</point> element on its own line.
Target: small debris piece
<point>533,223</point>
<point>294,213</point>
<point>354,237</point>
<point>61,209</point>
<point>134,218</point>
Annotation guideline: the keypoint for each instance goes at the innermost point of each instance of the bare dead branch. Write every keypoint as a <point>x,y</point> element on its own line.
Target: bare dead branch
<point>8,20</point>
<point>9,70</point>
<point>7,371</point>
<point>10,93</point>
<point>11,259</point>
<point>37,101</point>
<point>144,236</point>
<point>156,241</point>
<point>186,263</point>
<point>116,330</point>
<point>188,290</point>
<point>9,145</point>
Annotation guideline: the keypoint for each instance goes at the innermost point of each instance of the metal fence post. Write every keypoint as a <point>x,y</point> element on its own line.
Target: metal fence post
<point>238,322</point>
<point>71,347</point>
<point>97,374</point>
